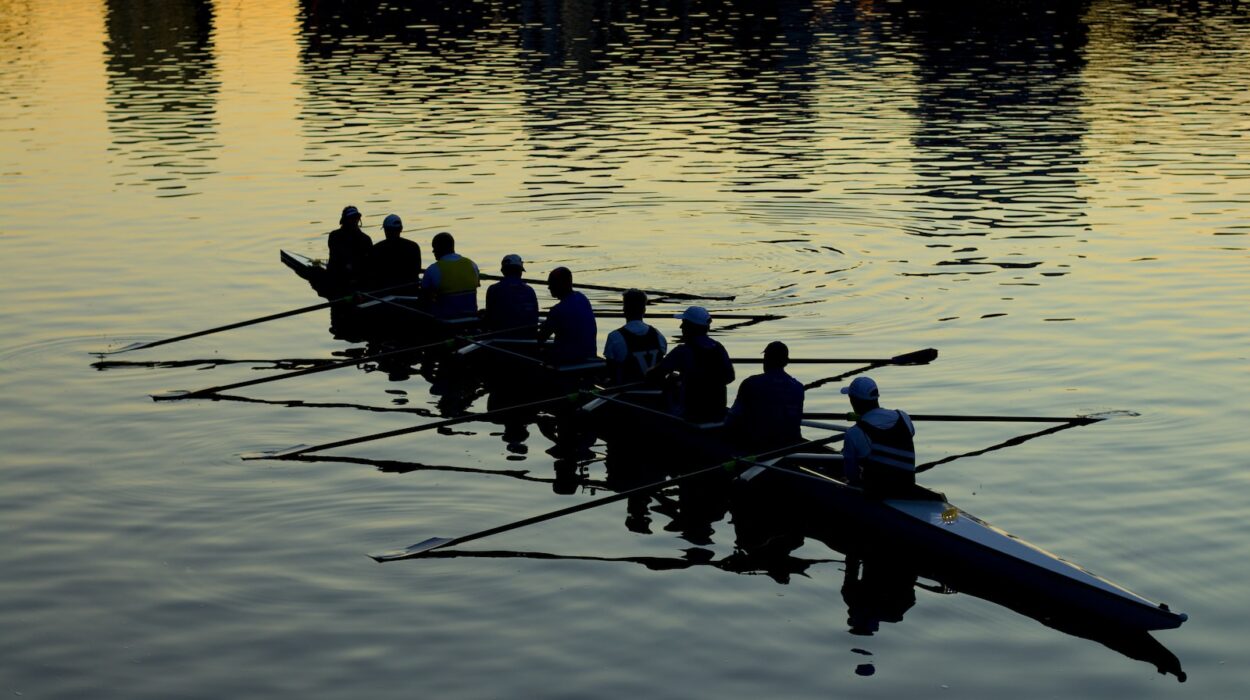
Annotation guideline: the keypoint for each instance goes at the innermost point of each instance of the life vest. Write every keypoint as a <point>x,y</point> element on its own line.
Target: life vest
<point>456,277</point>
<point>891,448</point>
<point>642,353</point>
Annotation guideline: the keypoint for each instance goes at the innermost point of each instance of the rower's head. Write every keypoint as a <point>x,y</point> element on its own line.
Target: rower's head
<point>863,394</point>
<point>635,303</point>
<point>443,244</point>
<point>512,265</point>
<point>695,321</point>
<point>350,215</point>
<point>776,355</point>
<point>560,282</point>
<point>392,226</point>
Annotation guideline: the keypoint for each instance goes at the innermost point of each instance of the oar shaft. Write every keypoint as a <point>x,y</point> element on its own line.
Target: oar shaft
<point>249,322</point>
<point>1002,419</point>
<point>602,313</point>
<point>604,288</point>
<point>815,360</point>
<point>230,326</point>
<point>965,418</point>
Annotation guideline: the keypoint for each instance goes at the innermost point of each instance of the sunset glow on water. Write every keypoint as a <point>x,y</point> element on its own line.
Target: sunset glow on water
<point>1057,198</point>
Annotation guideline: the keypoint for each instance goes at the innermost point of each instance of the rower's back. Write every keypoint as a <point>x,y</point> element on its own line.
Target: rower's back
<point>451,282</point>
<point>511,304</point>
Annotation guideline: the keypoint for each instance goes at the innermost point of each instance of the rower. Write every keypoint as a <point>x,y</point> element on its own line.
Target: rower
<point>634,348</point>
<point>394,263</point>
<point>878,453</point>
<point>571,321</point>
<point>511,304</point>
<point>769,406</point>
<point>452,281</point>
<point>349,248</point>
<point>704,369</point>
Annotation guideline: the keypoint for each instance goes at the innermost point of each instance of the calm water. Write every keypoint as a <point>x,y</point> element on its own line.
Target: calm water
<point>1057,199</point>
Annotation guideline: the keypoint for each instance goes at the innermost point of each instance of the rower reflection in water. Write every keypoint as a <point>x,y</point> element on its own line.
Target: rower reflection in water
<point>879,453</point>
<point>634,348</point>
<point>702,370</point>
<point>769,406</point>
<point>511,304</point>
<point>451,282</point>
<point>570,323</point>
<point>876,592</point>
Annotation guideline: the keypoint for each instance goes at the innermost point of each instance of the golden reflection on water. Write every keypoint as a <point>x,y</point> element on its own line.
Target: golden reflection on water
<point>258,61</point>
<point>1064,218</point>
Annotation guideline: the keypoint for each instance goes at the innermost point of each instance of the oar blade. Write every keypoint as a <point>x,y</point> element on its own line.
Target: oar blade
<point>172,395</point>
<point>118,351</point>
<point>919,357</point>
<point>410,551</point>
<point>273,454</point>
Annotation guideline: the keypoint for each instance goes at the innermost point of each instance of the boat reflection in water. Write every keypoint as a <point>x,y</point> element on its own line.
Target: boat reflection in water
<point>882,575</point>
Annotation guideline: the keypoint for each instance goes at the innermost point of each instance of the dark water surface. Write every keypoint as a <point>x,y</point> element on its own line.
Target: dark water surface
<point>1055,195</point>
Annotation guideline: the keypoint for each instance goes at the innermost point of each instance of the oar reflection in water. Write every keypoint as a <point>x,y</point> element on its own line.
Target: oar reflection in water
<point>395,466</point>
<point>738,562</point>
<point>282,364</point>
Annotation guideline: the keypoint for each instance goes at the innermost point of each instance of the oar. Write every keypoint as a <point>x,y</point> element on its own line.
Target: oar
<point>603,288</point>
<point>178,394</point>
<point>208,391</point>
<point>601,313</point>
<point>299,450</point>
<point>1012,442</point>
<point>229,326</point>
<point>434,543</point>
<point>239,324</point>
<point>919,357</point>
<point>598,313</point>
<point>1078,420</point>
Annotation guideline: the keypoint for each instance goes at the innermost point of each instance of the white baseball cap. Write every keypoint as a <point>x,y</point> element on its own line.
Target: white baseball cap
<point>863,388</point>
<point>696,315</point>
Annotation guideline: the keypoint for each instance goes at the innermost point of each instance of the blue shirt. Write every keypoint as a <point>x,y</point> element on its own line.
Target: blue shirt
<point>511,303</point>
<point>572,322</point>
